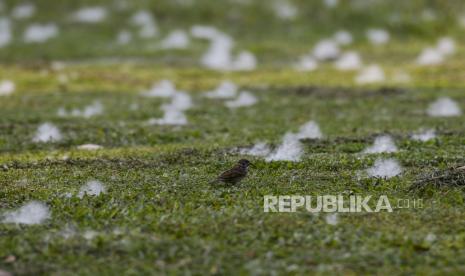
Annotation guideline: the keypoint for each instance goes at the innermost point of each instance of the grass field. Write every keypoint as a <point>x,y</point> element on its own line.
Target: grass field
<point>159,214</point>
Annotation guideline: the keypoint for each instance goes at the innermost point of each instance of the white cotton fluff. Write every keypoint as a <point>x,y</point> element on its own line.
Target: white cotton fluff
<point>33,212</point>
<point>218,55</point>
<point>171,116</point>
<point>7,87</point>
<point>23,11</point>
<point>40,33</point>
<point>244,61</point>
<point>244,99</point>
<point>174,111</point>
<point>177,39</point>
<point>444,107</point>
<point>204,32</point>
<point>146,22</point>
<point>446,46</point>
<point>382,144</point>
<point>162,89</point>
<point>5,32</point>
<point>348,61</point>
<point>91,188</point>
<point>124,37</point>
<point>343,37</point>
<point>260,149</point>
<point>378,36</point>
<point>47,132</point>
<point>291,149</point>
<point>306,63</point>
<point>310,130</point>
<point>89,147</point>
<point>90,15</point>
<point>94,109</point>
<point>436,55</point>
<point>385,168</point>
<point>225,90</point>
<point>330,3</point>
<point>326,49</point>
<point>370,74</point>
<point>180,101</point>
<point>424,135</point>
<point>332,219</point>
<point>284,9</point>
<point>430,56</point>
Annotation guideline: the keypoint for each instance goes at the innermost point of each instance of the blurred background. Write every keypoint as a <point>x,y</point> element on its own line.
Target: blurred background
<point>276,33</point>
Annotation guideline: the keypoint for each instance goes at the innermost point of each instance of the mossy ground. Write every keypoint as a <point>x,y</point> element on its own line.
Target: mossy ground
<point>160,215</point>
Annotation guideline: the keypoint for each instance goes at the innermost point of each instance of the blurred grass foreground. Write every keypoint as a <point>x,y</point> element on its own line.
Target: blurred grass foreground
<point>115,115</point>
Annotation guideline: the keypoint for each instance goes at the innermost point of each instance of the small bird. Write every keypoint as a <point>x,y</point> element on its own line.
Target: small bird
<point>234,175</point>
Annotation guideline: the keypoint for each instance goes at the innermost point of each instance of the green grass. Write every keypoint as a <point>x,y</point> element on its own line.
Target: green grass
<point>160,215</point>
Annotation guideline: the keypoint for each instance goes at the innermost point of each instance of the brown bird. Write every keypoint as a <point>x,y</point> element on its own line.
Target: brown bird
<point>234,175</point>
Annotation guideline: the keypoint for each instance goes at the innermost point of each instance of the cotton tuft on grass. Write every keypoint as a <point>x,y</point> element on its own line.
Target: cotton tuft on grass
<point>424,136</point>
<point>40,33</point>
<point>219,54</point>
<point>244,61</point>
<point>306,63</point>
<point>173,111</point>
<point>348,61</point>
<point>225,90</point>
<point>437,55</point>
<point>177,39</point>
<point>6,34</point>
<point>89,147</point>
<point>33,212</point>
<point>310,130</point>
<point>124,37</point>
<point>446,46</point>
<point>146,22</point>
<point>385,168</point>
<point>90,15</point>
<point>180,101</point>
<point>47,132</point>
<point>343,37</point>
<point>284,9</point>
<point>430,56</point>
<point>92,188</point>
<point>162,89</point>
<point>260,149</point>
<point>94,109</point>
<point>382,144</point>
<point>7,87</point>
<point>331,3</point>
<point>378,36</point>
<point>444,107</point>
<point>23,11</point>
<point>171,116</point>
<point>244,99</point>
<point>291,149</point>
<point>370,74</point>
<point>326,49</point>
